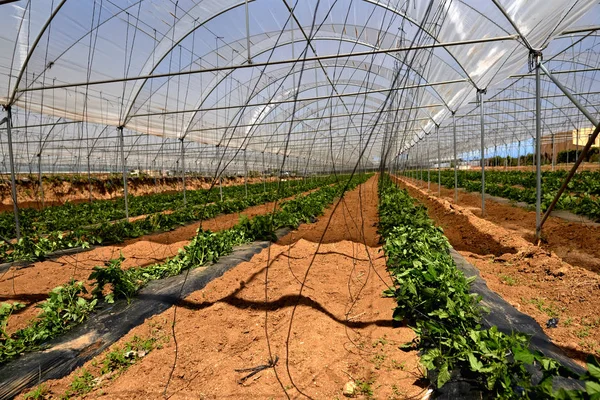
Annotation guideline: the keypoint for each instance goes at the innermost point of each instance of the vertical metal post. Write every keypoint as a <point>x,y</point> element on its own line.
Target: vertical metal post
<point>13,181</point>
<point>519,154</point>
<point>220,177</point>
<point>183,170</point>
<point>248,33</point>
<point>437,132</point>
<point>481,113</point>
<point>263,173</point>
<point>245,174</point>
<point>455,159</point>
<point>40,180</point>
<point>124,166</point>
<point>538,148</point>
<point>428,170</point>
<point>89,177</point>
<point>419,170</point>
<point>577,145</point>
<point>553,152</point>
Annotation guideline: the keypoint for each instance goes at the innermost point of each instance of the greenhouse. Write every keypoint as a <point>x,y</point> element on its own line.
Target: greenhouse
<point>271,199</point>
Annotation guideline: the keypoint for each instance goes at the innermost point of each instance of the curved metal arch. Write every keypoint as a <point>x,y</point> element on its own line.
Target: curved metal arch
<point>200,103</point>
<point>214,86</point>
<point>347,82</point>
<point>33,47</point>
<point>418,25</point>
<point>365,105</point>
<point>435,93</point>
<point>375,3</point>
<point>122,10</point>
<point>523,89</point>
<point>169,50</point>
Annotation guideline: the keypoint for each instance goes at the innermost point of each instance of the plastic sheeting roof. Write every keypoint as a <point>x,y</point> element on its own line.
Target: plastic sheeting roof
<point>338,75</point>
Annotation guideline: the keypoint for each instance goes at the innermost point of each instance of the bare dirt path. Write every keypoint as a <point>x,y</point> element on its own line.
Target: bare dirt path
<point>342,327</point>
<point>535,280</point>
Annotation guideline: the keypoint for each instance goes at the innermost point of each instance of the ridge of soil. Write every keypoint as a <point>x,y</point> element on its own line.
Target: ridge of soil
<point>535,280</point>
<point>569,240</point>
<point>59,192</point>
<point>342,328</point>
<point>30,285</point>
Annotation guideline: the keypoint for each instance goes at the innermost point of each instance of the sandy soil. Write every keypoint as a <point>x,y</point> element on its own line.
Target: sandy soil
<point>569,240</point>
<point>31,285</point>
<point>342,328</point>
<point>535,280</point>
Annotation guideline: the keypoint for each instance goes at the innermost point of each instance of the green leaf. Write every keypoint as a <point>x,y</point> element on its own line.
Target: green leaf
<point>443,376</point>
<point>475,364</point>
<point>593,389</point>
<point>593,368</point>
<point>523,355</point>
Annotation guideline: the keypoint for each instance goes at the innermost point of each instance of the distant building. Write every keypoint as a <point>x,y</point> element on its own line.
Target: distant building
<point>565,141</point>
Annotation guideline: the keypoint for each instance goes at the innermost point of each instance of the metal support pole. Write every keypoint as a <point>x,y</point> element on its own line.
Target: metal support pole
<point>481,113</point>
<point>248,33</point>
<point>41,182</point>
<point>428,170</point>
<point>220,177</point>
<point>89,177</point>
<point>455,158</point>
<point>245,174</point>
<point>263,173</point>
<point>538,148</point>
<point>519,154</point>
<point>13,181</point>
<point>553,152</point>
<point>437,132</point>
<point>183,170</point>
<point>577,144</point>
<point>124,166</point>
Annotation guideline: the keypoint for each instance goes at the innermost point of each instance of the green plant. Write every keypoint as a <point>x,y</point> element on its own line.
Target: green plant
<point>39,393</point>
<point>508,280</point>
<point>592,385</point>
<point>6,310</point>
<point>549,310</point>
<point>81,385</point>
<point>365,387</point>
<point>112,274</point>
<point>68,306</point>
<point>433,297</point>
<point>64,308</point>
<point>378,360</point>
<point>401,365</point>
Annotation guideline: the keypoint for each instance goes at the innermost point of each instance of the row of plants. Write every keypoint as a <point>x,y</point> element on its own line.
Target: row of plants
<point>33,247</point>
<point>70,215</point>
<point>581,197</point>
<point>71,304</point>
<point>433,297</point>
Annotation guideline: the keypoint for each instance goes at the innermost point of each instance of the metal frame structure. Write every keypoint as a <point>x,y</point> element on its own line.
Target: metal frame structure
<point>384,81</point>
